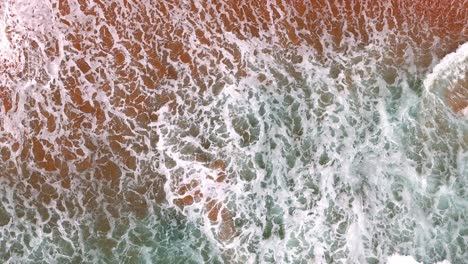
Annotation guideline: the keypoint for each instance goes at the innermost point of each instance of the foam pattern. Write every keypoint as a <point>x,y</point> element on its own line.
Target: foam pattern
<point>233,131</point>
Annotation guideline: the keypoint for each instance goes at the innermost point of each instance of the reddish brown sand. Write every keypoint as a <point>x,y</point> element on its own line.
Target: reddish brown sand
<point>100,144</point>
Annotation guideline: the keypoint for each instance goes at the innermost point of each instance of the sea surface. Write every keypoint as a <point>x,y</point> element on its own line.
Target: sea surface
<point>231,131</point>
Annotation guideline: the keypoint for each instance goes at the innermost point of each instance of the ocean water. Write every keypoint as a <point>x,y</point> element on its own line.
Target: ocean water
<point>233,131</point>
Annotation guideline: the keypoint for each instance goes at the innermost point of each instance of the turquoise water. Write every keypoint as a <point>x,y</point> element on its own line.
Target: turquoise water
<point>323,174</point>
<point>316,173</point>
<point>340,157</point>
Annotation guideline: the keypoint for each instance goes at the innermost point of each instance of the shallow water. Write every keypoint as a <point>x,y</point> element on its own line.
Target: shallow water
<point>233,132</point>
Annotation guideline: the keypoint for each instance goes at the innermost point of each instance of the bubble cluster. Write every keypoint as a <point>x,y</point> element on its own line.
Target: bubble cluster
<point>233,131</point>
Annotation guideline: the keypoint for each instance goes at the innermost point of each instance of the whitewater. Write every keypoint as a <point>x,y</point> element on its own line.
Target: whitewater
<point>233,132</point>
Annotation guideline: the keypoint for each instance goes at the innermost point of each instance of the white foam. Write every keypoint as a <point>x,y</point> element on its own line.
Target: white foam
<point>4,44</point>
<point>400,259</point>
<point>352,159</point>
<point>445,68</point>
